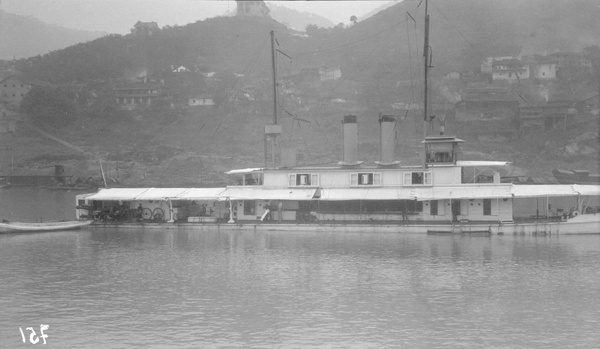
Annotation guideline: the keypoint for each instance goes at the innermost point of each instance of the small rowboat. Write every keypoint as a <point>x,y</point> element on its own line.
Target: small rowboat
<point>45,226</point>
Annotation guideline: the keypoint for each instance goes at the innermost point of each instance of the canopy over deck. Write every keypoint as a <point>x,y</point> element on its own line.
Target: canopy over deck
<point>555,190</point>
<point>258,193</point>
<point>244,171</point>
<point>417,193</point>
<point>139,194</point>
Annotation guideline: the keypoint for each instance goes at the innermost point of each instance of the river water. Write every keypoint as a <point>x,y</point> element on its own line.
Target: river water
<point>101,288</point>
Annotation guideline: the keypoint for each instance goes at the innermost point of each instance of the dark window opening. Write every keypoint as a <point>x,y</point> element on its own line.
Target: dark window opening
<point>455,205</point>
<point>302,179</point>
<point>253,179</point>
<point>442,157</point>
<point>249,207</point>
<point>487,207</point>
<point>365,178</point>
<point>433,207</point>
<point>417,178</point>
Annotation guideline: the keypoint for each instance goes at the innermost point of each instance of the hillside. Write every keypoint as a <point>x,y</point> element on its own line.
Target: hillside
<point>22,37</point>
<point>379,61</point>
<point>297,20</point>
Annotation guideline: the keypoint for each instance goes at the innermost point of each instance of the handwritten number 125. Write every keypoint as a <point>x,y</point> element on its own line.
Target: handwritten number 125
<point>33,338</point>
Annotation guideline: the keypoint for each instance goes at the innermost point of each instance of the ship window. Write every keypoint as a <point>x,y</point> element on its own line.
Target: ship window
<point>365,179</point>
<point>303,179</point>
<point>253,179</point>
<point>416,178</point>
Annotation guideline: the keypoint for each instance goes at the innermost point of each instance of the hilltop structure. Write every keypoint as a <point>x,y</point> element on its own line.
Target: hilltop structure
<point>145,28</point>
<point>252,8</point>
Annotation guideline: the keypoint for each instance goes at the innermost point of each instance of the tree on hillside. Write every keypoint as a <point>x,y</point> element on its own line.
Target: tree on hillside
<point>353,19</point>
<point>49,105</point>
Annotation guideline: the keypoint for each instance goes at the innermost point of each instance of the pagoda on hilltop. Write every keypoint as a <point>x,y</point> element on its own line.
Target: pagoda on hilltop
<point>252,8</point>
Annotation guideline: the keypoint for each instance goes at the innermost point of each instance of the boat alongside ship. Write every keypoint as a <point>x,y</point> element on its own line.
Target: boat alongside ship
<point>20,227</point>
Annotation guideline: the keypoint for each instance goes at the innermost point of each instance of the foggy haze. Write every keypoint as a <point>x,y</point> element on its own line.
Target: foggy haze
<point>118,16</point>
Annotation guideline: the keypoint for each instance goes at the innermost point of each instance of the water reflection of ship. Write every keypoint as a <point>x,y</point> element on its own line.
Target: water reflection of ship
<point>576,177</point>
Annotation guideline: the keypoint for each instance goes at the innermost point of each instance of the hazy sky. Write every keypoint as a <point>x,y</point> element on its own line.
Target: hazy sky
<point>118,16</point>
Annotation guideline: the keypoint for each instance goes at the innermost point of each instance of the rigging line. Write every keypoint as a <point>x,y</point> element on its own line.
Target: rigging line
<point>283,53</point>
<point>349,43</point>
<point>411,70</point>
<point>249,67</point>
<point>327,136</point>
<point>458,31</point>
<point>252,63</point>
<point>306,146</point>
<point>303,120</point>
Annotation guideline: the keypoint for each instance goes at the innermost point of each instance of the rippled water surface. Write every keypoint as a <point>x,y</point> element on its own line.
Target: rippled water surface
<point>188,289</point>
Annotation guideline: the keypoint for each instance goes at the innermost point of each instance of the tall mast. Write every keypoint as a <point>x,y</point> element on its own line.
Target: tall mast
<point>274,78</point>
<point>271,131</point>
<point>425,78</point>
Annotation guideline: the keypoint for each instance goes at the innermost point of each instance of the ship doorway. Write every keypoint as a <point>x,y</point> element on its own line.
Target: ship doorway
<point>455,210</point>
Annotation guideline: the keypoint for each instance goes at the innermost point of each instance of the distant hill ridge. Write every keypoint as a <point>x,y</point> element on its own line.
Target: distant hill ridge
<point>464,32</point>
<point>22,37</point>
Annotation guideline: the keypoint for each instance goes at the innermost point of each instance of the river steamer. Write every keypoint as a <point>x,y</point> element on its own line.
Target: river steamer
<point>446,195</point>
<point>443,195</point>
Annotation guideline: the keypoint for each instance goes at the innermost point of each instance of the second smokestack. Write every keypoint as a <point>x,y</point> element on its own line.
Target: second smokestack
<point>387,140</point>
<point>350,140</point>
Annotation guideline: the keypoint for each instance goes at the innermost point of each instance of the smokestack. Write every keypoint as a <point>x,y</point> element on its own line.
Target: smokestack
<point>350,139</point>
<point>387,141</point>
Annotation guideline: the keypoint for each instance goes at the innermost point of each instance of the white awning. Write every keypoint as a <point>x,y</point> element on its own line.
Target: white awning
<point>482,163</point>
<point>417,193</point>
<point>117,194</point>
<point>254,193</point>
<point>555,190</point>
<point>244,171</point>
<point>200,194</point>
<point>463,192</point>
<point>587,190</point>
<point>131,194</point>
<point>160,193</point>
